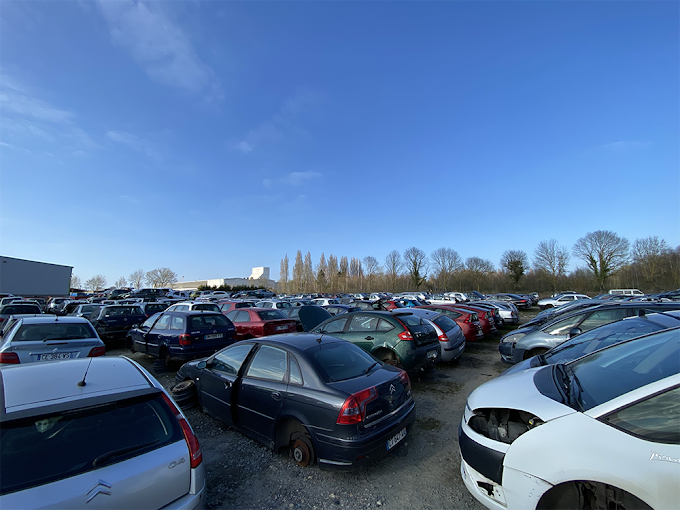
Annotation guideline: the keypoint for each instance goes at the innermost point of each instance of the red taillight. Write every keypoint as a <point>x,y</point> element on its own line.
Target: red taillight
<point>2,320</point>
<point>405,335</point>
<point>468,319</point>
<point>9,357</point>
<point>184,339</point>
<point>443,338</point>
<point>195,453</point>
<point>405,380</point>
<point>354,408</point>
<point>97,351</point>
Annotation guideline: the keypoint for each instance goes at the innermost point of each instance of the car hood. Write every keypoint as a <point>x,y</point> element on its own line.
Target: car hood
<point>526,331</point>
<point>517,391</point>
<point>311,316</point>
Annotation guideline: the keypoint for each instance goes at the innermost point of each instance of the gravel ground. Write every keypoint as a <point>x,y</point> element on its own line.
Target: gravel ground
<point>422,473</point>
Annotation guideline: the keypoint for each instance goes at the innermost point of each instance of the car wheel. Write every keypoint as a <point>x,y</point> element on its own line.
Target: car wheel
<point>303,451</point>
<point>185,394</point>
<point>535,352</point>
<point>388,357</point>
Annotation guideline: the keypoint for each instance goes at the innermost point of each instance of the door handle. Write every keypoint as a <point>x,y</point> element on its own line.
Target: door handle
<point>227,385</point>
<point>369,338</point>
<point>276,395</point>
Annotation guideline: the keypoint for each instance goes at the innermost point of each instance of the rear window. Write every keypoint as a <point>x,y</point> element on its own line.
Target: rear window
<point>15,309</point>
<point>208,321</point>
<point>43,449</point>
<point>444,323</point>
<point>122,311</point>
<point>271,315</point>
<point>53,331</point>
<point>151,309</point>
<point>339,361</point>
<point>206,306</point>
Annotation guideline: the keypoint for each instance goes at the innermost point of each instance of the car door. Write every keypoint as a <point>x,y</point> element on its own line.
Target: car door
<point>219,378</point>
<point>261,393</point>
<point>241,320</point>
<point>362,331</point>
<point>140,334</point>
<point>158,334</point>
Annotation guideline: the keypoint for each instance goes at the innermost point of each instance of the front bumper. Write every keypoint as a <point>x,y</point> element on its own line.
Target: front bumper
<point>506,349</point>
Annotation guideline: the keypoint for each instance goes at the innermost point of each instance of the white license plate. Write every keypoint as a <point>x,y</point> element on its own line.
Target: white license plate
<point>281,328</point>
<point>391,443</point>
<point>57,355</point>
<point>431,354</point>
<point>213,337</point>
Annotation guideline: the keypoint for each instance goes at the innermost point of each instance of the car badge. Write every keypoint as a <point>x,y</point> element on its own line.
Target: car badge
<point>101,487</point>
<point>392,389</point>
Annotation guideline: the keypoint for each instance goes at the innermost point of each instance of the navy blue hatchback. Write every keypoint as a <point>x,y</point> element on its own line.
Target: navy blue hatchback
<point>184,335</point>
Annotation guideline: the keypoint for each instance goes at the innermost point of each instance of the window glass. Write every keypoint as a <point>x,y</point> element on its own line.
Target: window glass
<point>384,326</point>
<point>149,322</point>
<point>336,326</point>
<point>339,361</point>
<point>178,323</point>
<point>363,323</point>
<point>241,316</point>
<point>444,323</point>
<point>269,363</point>
<point>207,321</point>
<point>601,318</point>
<point>564,326</point>
<point>655,419</point>
<point>53,331</point>
<point>207,306</point>
<point>19,309</point>
<point>163,323</point>
<point>295,376</point>
<point>448,313</point>
<point>271,315</point>
<point>230,360</point>
<point>411,320</point>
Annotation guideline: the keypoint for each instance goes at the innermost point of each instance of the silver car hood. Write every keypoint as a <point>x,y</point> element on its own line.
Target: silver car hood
<point>517,391</point>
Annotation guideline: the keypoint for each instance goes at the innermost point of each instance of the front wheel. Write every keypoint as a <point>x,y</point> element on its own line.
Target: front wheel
<point>535,352</point>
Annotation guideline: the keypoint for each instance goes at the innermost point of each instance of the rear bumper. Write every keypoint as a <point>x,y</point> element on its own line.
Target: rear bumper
<point>451,352</point>
<point>190,501</point>
<point>418,358</point>
<point>347,455</point>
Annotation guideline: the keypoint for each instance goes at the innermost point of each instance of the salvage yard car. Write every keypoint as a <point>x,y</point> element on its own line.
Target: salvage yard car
<point>115,321</point>
<point>257,322</point>
<point>598,432</point>
<point>97,434</point>
<point>325,398</point>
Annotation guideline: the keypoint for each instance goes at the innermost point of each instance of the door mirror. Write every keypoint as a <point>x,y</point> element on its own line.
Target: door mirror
<point>575,332</point>
<point>201,365</point>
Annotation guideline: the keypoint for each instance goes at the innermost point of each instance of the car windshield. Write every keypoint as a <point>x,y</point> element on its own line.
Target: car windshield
<point>53,331</point>
<point>339,361</point>
<point>271,315</point>
<point>121,311</point>
<point>208,321</point>
<point>206,306</point>
<point>15,309</point>
<point>74,440</point>
<point>607,374</point>
<point>600,338</point>
<point>444,323</point>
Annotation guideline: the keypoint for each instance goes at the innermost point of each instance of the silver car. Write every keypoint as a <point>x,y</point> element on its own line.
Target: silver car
<point>99,434</point>
<point>48,338</point>
<point>451,337</point>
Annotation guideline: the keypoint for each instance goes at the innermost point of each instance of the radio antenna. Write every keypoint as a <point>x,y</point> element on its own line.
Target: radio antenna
<point>83,383</point>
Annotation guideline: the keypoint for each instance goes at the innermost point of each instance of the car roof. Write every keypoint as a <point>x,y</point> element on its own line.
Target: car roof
<point>48,318</point>
<point>302,341</point>
<point>30,395</point>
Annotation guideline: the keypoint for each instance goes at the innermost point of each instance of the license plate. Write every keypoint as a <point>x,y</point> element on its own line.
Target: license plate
<point>212,337</point>
<point>57,355</point>
<point>391,443</point>
<point>431,354</point>
<point>281,328</point>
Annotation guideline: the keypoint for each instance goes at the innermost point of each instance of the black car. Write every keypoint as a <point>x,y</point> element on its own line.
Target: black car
<point>325,398</point>
<point>114,321</point>
<point>182,335</point>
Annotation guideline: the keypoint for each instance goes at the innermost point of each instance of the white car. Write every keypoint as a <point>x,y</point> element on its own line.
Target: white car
<point>325,302</point>
<point>273,303</point>
<point>560,300</point>
<point>598,432</point>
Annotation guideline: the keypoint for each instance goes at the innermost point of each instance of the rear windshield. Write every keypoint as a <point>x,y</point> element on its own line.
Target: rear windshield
<point>89,308</point>
<point>122,311</point>
<point>40,450</point>
<point>271,315</point>
<point>155,308</point>
<point>208,321</point>
<point>14,309</point>
<point>53,331</point>
<point>206,306</point>
<point>444,323</point>
<point>339,361</point>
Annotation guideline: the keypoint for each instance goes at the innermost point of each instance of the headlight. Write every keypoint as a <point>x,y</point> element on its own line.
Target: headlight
<point>513,338</point>
<point>504,425</point>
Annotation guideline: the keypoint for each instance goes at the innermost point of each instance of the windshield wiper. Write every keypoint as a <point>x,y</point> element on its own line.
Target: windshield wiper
<point>369,368</point>
<point>576,389</point>
<point>120,451</point>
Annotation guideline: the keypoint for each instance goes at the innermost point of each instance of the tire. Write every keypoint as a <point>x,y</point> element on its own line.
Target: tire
<point>535,352</point>
<point>302,451</point>
<point>388,357</point>
<point>184,394</point>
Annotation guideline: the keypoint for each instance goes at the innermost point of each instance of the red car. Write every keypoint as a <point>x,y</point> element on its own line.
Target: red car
<point>227,306</point>
<point>485,317</point>
<point>466,319</point>
<point>257,322</point>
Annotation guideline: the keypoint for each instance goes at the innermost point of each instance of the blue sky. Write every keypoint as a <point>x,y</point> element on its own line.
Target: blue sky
<point>212,137</point>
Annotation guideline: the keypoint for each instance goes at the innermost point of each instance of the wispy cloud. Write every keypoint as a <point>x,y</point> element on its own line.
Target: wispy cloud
<point>623,146</point>
<point>299,178</point>
<point>280,125</point>
<point>34,108</point>
<point>134,142</point>
<point>160,47</point>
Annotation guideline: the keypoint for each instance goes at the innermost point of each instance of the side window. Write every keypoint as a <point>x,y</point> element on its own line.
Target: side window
<point>564,326</point>
<point>384,326</point>
<point>336,326</point>
<point>241,316</point>
<point>163,323</point>
<point>148,322</point>
<point>363,323</point>
<point>269,363</point>
<point>231,315</point>
<point>230,360</point>
<point>654,419</point>
<point>294,375</point>
<point>602,317</point>
<point>177,323</point>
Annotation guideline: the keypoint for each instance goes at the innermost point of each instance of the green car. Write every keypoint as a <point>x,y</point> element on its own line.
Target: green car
<point>401,339</point>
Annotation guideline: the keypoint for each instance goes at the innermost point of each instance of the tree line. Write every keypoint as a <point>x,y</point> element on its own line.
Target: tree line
<point>648,264</point>
<point>156,278</point>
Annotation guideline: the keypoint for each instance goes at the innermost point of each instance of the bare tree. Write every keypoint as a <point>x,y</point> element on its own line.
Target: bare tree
<point>299,273</point>
<point>137,278</point>
<point>96,283</point>
<point>516,263</point>
<point>445,262</point>
<point>604,252</point>
<point>551,258</point>
<point>161,277</point>
<point>371,269</point>
<point>283,275</point>
<point>478,269</point>
<point>121,282</point>
<point>308,273</point>
<point>75,282</point>
<point>356,273</point>
<point>322,274</point>
<point>343,273</point>
<point>648,255</point>
<point>393,268</point>
<point>333,272</point>
<point>416,264</point>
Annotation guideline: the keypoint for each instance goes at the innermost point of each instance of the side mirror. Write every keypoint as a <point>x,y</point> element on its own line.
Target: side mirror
<point>575,332</point>
<point>202,365</point>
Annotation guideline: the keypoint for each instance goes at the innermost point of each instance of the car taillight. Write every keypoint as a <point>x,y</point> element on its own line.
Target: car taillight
<point>443,338</point>
<point>9,357</point>
<point>468,320</point>
<point>405,380</point>
<point>184,339</point>
<point>195,453</point>
<point>354,408</point>
<point>97,351</point>
<point>405,335</point>
<point>2,320</point>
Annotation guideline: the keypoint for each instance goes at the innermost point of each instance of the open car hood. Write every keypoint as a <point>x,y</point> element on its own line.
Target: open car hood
<point>311,316</point>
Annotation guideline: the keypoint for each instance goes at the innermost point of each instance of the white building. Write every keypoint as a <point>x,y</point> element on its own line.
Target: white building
<point>259,278</point>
